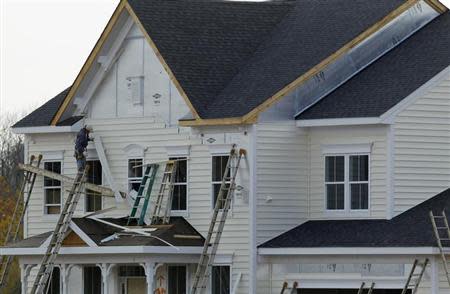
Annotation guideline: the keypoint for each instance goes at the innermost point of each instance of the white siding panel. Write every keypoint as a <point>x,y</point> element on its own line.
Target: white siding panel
<point>282,165</point>
<point>422,148</point>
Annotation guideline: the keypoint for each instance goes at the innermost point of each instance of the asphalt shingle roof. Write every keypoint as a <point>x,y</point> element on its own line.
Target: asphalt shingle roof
<point>229,57</point>
<point>97,231</point>
<point>410,229</point>
<point>391,78</point>
<point>43,115</point>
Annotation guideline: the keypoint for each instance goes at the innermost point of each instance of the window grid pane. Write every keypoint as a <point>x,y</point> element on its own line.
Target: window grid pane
<point>179,201</point>
<point>220,280</point>
<point>94,199</point>
<point>359,196</point>
<point>219,164</point>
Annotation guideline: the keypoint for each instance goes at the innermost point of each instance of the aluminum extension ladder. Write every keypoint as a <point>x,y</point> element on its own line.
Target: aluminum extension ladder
<point>369,290</point>
<point>442,234</point>
<point>17,218</point>
<point>163,202</point>
<point>286,287</point>
<point>223,204</point>
<point>414,278</point>
<point>62,226</point>
<point>144,192</point>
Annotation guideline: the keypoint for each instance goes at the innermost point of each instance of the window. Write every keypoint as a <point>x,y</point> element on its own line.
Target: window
<point>220,280</point>
<point>219,164</point>
<point>94,199</point>
<point>135,172</point>
<point>52,189</point>
<point>347,182</point>
<point>359,181</point>
<point>92,277</point>
<point>334,181</point>
<point>177,280</point>
<point>54,284</point>
<point>179,201</point>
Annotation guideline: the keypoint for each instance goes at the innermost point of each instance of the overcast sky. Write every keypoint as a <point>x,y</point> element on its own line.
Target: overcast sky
<point>43,45</point>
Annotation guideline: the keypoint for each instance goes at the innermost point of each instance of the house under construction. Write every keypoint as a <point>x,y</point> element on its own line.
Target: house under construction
<point>291,146</point>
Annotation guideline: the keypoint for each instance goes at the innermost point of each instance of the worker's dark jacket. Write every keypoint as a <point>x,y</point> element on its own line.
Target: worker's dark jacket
<point>82,141</point>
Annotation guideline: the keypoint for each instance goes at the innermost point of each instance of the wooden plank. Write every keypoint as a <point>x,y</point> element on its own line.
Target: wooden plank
<point>437,5</point>
<point>65,179</point>
<point>105,167</point>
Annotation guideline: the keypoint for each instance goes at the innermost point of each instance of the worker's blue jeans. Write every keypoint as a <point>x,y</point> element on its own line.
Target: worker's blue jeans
<point>81,160</point>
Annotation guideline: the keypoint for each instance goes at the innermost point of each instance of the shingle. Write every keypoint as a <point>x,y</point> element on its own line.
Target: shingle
<point>391,78</point>
<point>410,229</point>
<point>311,32</point>
<point>206,42</point>
<point>178,226</point>
<point>31,242</point>
<point>44,114</point>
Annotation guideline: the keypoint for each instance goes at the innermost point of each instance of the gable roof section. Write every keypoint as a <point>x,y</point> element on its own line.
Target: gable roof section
<point>205,43</point>
<point>43,115</point>
<point>251,57</point>
<point>391,78</point>
<point>412,228</point>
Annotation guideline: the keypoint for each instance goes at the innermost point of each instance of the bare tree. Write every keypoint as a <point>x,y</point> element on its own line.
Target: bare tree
<point>11,151</point>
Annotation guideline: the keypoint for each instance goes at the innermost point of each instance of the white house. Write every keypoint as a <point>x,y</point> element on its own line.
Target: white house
<point>343,108</point>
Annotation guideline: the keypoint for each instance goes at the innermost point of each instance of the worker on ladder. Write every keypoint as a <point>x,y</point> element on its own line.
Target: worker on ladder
<point>81,144</point>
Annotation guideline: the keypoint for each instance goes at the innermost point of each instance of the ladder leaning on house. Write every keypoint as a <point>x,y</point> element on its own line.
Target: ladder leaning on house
<point>144,191</point>
<point>363,287</point>
<point>440,228</point>
<point>414,278</point>
<point>17,217</point>
<point>58,235</point>
<point>163,204</point>
<point>222,205</point>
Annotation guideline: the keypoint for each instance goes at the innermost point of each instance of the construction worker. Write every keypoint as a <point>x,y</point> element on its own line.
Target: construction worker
<point>80,147</point>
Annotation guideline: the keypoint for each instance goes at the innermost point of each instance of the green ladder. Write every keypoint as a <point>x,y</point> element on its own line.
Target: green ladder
<point>149,177</point>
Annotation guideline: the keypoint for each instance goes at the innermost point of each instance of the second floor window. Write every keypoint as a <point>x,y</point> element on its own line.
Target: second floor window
<point>52,189</point>
<point>94,199</point>
<point>219,164</point>
<point>347,182</point>
<point>135,173</point>
<point>179,201</point>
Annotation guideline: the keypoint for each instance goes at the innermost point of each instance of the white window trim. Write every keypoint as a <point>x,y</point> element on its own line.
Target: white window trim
<point>218,182</point>
<point>61,187</point>
<point>346,148</point>
<point>184,213</point>
<point>103,182</point>
<point>347,197</point>
<point>134,180</point>
<point>178,151</point>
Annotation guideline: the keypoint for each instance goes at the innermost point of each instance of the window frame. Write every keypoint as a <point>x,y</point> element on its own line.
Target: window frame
<point>45,188</point>
<point>217,182</point>
<point>177,212</point>
<point>347,184</point>
<point>134,179</point>
<point>102,183</point>
<point>230,276</point>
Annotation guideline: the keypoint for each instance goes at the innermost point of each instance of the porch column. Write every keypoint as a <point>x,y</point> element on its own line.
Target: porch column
<point>150,271</point>
<point>434,275</point>
<point>106,271</point>
<point>65,273</point>
<point>25,270</point>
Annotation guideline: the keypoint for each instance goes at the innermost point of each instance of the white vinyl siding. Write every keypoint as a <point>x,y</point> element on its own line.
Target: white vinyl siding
<point>422,148</point>
<point>281,178</point>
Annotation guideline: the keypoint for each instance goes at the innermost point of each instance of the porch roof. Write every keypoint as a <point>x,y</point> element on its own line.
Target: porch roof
<point>412,228</point>
<point>178,233</point>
